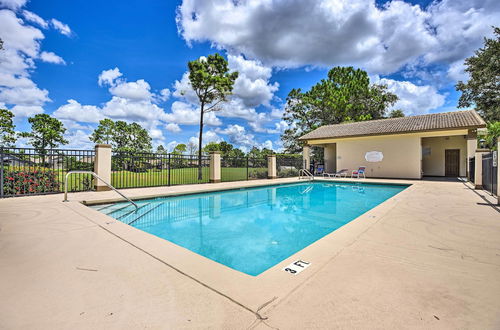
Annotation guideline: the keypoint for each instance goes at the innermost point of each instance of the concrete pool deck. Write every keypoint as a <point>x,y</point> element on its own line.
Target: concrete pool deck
<point>427,258</point>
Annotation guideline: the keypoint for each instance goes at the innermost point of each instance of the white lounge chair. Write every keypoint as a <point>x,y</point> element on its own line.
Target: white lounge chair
<point>360,171</point>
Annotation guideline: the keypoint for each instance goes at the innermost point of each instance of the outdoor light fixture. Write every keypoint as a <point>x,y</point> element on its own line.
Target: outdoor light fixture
<point>481,143</point>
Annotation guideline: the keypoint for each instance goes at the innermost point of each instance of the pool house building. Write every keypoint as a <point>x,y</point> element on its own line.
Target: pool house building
<point>411,147</point>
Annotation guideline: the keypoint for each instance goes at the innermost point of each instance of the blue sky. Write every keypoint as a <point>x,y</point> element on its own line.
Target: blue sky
<point>86,60</point>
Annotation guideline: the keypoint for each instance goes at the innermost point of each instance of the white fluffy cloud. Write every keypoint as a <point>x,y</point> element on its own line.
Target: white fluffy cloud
<point>18,36</point>
<point>108,77</point>
<point>26,110</point>
<point>22,44</point>
<point>78,139</point>
<point>173,128</point>
<point>74,111</point>
<point>252,89</point>
<point>344,32</point>
<point>135,90</point>
<point>187,114</point>
<point>34,18</point>
<point>13,4</point>
<point>208,136</point>
<point>252,86</point>
<point>132,101</point>
<point>51,57</point>
<point>61,27</point>
<point>238,136</point>
<point>413,99</point>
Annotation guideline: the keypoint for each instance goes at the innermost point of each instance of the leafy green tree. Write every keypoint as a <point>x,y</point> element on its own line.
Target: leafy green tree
<point>104,132</point>
<point>258,153</point>
<point>7,128</point>
<point>236,153</point>
<point>46,132</point>
<point>212,83</point>
<point>254,153</point>
<point>483,87</point>
<point>180,148</point>
<point>211,146</point>
<point>493,132</point>
<point>192,147</point>
<point>346,95</point>
<point>225,148</point>
<point>161,149</point>
<point>122,136</point>
<point>396,113</point>
<point>138,139</point>
<point>119,138</point>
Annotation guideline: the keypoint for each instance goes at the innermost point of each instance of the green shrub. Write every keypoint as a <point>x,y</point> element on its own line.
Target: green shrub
<point>289,172</point>
<point>257,173</point>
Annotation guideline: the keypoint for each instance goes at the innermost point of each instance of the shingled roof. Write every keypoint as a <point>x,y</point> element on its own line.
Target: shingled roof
<point>436,121</point>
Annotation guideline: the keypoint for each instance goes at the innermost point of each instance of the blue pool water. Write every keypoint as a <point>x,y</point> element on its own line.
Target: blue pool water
<point>253,229</point>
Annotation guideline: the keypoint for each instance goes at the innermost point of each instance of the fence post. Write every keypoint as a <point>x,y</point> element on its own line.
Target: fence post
<point>306,156</point>
<point>214,166</point>
<point>498,173</point>
<point>102,166</point>
<point>247,167</point>
<point>168,171</point>
<point>271,167</point>
<point>478,168</point>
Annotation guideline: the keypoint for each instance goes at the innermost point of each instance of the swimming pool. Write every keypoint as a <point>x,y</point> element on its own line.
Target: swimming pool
<point>253,229</point>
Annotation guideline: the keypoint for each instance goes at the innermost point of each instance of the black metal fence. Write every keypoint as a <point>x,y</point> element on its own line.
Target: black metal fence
<point>135,170</point>
<point>472,168</point>
<point>243,168</point>
<point>234,169</point>
<point>490,174</point>
<point>257,168</point>
<point>288,165</point>
<point>29,171</point>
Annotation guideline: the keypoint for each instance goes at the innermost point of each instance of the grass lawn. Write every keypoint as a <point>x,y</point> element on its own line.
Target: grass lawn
<point>151,178</point>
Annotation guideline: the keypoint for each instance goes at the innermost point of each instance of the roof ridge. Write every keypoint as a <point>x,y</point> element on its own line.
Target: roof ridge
<point>431,121</point>
<point>406,117</point>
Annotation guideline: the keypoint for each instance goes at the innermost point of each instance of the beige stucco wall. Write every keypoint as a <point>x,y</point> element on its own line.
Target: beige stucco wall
<point>402,155</point>
<point>433,164</point>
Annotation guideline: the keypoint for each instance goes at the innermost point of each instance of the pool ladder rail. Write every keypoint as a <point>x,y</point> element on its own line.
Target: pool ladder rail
<point>305,174</point>
<point>99,178</point>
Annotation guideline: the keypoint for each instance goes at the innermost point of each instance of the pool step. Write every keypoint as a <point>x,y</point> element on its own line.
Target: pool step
<point>108,208</point>
<point>147,212</point>
<point>131,210</point>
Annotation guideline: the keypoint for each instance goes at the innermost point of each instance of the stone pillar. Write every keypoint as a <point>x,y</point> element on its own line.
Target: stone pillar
<point>214,166</point>
<point>102,166</point>
<point>306,157</point>
<point>478,164</point>
<point>471,146</point>
<point>272,172</point>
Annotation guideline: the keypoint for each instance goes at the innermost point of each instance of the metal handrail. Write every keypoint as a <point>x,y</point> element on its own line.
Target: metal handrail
<point>97,177</point>
<point>305,173</point>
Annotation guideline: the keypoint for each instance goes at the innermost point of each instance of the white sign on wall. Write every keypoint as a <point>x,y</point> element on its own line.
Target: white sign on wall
<point>374,156</point>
